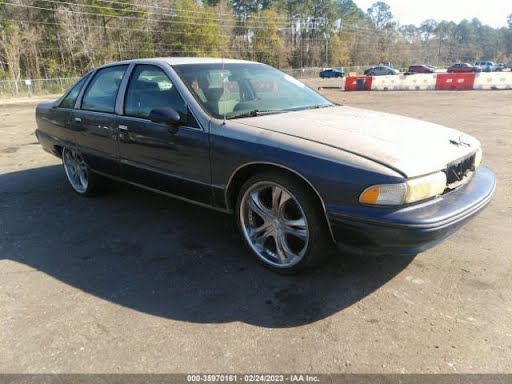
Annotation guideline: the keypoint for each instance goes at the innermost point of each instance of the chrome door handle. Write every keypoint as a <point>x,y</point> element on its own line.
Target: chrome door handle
<point>78,120</point>
<point>122,127</point>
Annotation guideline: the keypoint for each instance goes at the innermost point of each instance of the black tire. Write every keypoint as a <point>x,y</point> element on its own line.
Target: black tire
<point>94,183</point>
<point>319,241</point>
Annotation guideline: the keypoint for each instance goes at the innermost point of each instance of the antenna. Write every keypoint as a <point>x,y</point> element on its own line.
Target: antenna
<point>222,71</point>
<point>223,87</point>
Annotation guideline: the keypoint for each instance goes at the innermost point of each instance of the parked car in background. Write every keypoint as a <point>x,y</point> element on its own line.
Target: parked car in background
<point>508,66</point>
<point>420,68</point>
<point>297,172</point>
<point>332,72</point>
<point>463,68</point>
<point>499,67</point>
<point>487,66</point>
<point>381,70</point>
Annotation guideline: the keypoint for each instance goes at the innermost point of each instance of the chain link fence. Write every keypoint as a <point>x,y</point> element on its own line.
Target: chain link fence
<point>312,73</point>
<point>35,87</point>
<point>57,86</point>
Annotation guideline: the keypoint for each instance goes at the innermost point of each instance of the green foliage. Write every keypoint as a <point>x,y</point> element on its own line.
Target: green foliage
<point>243,9</point>
<point>339,55</point>
<point>381,15</point>
<point>268,45</point>
<point>68,37</point>
<point>348,11</point>
<point>194,31</point>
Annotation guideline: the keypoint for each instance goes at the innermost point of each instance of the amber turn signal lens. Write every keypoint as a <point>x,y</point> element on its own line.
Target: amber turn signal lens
<point>370,196</point>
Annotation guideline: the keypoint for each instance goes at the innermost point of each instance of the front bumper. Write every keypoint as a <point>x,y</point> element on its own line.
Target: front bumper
<point>415,228</point>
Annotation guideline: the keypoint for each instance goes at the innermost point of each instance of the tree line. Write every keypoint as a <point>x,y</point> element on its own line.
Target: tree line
<point>64,38</point>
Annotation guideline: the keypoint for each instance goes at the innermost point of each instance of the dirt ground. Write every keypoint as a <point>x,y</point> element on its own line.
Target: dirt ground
<point>136,282</point>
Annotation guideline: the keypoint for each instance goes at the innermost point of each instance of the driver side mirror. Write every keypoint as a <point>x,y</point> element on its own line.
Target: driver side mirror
<point>167,116</point>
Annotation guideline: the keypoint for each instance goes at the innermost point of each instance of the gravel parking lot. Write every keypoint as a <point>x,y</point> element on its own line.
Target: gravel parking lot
<point>136,282</point>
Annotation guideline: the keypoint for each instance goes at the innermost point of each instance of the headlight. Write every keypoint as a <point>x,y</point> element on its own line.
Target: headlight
<point>417,189</point>
<point>478,157</point>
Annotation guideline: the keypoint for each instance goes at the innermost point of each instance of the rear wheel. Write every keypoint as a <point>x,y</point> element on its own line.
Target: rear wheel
<point>82,180</point>
<point>280,223</point>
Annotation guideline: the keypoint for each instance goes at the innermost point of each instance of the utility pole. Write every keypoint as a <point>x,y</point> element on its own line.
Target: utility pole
<point>326,35</point>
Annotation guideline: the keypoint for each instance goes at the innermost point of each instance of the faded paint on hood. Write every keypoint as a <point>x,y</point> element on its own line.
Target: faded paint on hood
<point>410,146</point>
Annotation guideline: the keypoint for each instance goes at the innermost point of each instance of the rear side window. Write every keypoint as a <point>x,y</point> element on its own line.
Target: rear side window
<point>101,93</point>
<point>70,98</point>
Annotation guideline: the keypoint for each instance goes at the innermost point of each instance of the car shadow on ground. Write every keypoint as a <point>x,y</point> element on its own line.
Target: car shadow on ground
<point>168,258</point>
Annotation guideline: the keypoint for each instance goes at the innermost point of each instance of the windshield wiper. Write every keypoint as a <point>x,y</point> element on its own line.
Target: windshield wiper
<point>319,106</point>
<point>256,112</point>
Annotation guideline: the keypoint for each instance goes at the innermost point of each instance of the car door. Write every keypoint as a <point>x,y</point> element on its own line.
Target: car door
<point>151,154</point>
<point>95,121</point>
<point>59,120</point>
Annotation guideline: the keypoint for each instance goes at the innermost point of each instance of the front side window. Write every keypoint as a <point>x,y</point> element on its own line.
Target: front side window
<point>101,93</point>
<point>69,100</point>
<point>150,88</point>
<point>235,89</point>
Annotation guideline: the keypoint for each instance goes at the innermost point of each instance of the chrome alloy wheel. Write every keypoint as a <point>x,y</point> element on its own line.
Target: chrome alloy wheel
<point>76,170</point>
<point>274,224</point>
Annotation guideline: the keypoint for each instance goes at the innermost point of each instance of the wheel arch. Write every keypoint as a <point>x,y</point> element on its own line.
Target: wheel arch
<point>245,171</point>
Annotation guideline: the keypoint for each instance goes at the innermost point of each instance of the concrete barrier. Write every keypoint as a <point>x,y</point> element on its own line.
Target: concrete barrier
<point>454,81</point>
<point>493,80</point>
<point>386,83</point>
<point>358,83</point>
<point>418,82</point>
<point>431,81</point>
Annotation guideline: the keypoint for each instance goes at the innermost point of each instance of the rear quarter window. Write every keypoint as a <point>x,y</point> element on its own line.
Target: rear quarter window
<point>69,100</point>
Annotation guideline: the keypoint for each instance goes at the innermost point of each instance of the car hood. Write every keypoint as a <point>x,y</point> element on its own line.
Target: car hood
<point>409,146</point>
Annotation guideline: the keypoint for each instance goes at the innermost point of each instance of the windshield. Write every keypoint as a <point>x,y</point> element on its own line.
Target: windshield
<point>246,89</point>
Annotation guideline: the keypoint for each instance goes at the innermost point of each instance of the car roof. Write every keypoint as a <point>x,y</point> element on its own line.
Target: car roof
<point>182,60</point>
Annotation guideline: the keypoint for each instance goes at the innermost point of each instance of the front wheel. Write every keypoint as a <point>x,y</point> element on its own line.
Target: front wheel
<point>280,223</point>
<point>82,180</point>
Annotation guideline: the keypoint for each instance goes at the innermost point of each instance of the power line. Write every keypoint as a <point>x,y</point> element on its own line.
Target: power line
<point>123,17</point>
<point>158,7</point>
<point>304,25</point>
<point>358,43</point>
<point>172,11</point>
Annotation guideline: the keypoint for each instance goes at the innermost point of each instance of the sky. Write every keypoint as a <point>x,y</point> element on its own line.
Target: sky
<point>491,12</point>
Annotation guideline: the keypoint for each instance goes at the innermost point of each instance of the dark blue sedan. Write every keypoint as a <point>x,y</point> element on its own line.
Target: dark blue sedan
<point>332,72</point>
<point>298,173</point>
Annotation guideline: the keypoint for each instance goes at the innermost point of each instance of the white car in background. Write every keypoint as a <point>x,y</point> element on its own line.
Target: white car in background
<point>487,66</point>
